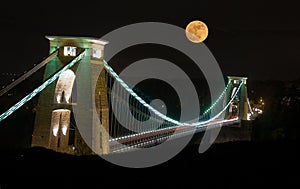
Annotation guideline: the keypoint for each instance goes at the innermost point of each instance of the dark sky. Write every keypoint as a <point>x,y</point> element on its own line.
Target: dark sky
<point>258,39</point>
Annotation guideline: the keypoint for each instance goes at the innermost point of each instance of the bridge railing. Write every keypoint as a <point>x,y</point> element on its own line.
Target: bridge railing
<point>163,126</point>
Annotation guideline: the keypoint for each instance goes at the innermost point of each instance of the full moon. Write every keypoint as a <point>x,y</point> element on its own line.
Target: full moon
<point>196,31</point>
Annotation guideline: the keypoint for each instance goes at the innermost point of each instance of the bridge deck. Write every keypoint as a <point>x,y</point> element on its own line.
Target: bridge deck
<point>151,138</point>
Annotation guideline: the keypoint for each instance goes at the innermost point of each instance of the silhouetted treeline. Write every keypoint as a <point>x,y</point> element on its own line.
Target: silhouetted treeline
<point>280,119</point>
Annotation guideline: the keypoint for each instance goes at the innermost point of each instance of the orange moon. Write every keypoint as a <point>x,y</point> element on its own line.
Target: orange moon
<point>196,31</point>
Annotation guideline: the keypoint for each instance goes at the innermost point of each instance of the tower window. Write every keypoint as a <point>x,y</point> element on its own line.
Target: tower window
<point>69,51</point>
<point>236,81</point>
<point>96,53</point>
<point>100,138</point>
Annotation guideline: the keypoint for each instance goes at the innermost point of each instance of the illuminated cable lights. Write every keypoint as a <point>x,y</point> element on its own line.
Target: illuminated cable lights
<point>40,88</point>
<point>164,117</point>
<point>221,96</point>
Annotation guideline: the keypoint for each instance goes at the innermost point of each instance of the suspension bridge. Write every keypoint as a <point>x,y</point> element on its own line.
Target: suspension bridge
<point>71,79</point>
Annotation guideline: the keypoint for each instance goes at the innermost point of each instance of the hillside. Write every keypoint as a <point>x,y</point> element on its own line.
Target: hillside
<point>226,164</point>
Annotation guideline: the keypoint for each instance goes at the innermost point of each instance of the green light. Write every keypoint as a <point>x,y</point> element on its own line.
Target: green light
<point>219,98</point>
<point>162,116</point>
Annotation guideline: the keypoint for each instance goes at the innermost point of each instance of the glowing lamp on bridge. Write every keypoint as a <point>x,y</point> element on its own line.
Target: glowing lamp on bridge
<point>259,111</point>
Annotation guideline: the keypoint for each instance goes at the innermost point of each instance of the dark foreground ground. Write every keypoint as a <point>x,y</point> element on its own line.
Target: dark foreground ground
<point>227,165</point>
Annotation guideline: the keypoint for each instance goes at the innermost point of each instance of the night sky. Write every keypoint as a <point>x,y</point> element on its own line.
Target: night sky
<point>253,38</point>
<point>257,39</point>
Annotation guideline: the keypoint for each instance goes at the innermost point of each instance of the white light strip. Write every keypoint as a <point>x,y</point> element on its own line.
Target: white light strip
<point>197,124</point>
<point>216,116</point>
<point>138,98</point>
<point>40,88</point>
<point>222,94</point>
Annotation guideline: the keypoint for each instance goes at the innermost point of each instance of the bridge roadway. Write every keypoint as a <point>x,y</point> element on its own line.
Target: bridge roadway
<point>151,138</point>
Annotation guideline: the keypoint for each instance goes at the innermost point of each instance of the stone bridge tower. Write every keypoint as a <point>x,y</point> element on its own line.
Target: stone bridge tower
<point>55,125</point>
<point>239,107</point>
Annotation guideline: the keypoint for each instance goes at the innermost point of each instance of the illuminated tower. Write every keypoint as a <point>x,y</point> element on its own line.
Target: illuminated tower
<point>55,125</point>
<point>239,106</point>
